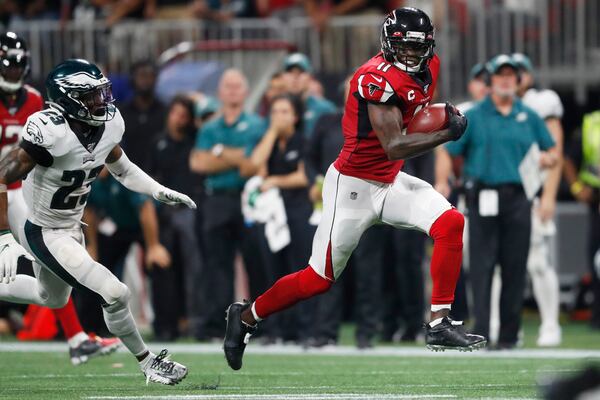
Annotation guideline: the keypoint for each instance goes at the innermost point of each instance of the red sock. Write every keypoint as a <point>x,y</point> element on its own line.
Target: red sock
<point>447,234</point>
<point>289,290</point>
<point>69,321</point>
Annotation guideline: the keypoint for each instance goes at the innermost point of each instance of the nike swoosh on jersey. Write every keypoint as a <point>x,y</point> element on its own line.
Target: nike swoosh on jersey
<point>377,79</point>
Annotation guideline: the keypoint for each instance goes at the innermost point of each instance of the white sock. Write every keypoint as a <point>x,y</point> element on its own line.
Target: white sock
<point>439,307</point>
<point>253,309</point>
<point>546,291</point>
<point>146,359</point>
<point>76,340</point>
<point>435,322</point>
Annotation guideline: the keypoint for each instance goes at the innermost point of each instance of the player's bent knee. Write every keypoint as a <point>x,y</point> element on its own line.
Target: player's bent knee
<point>57,301</point>
<point>449,225</point>
<point>311,283</point>
<point>116,294</point>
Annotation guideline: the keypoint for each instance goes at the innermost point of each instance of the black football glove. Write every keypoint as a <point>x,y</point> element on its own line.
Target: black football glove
<point>457,122</point>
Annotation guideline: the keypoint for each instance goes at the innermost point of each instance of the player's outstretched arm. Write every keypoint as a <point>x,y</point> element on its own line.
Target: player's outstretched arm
<point>133,178</point>
<point>386,121</point>
<point>12,168</point>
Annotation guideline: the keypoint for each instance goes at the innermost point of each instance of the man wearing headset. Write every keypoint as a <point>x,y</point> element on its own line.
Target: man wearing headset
<point>500,132</point>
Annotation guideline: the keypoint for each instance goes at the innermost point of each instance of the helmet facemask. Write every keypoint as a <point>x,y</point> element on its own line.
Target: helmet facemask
<point>408,54</point>
<point>96,104</point>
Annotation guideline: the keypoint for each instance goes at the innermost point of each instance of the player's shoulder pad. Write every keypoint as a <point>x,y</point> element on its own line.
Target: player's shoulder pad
<point>552,102</point>
<point>45,128</point>
<point>33,92</point>
<point>374,87</point>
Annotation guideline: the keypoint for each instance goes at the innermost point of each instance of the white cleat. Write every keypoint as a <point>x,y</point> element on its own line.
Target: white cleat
<point>549,337</point>
<point>159,369</point>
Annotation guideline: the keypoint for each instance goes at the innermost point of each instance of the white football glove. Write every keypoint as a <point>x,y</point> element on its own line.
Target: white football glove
<point>171,197</point>
<point>10,251</point>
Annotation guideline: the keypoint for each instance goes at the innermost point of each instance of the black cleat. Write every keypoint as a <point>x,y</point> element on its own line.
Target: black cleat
<point>451,335</point>
<point>84,351</point>
<point>237,335</point>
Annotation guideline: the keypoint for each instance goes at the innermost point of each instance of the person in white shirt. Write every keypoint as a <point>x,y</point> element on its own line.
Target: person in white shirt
<point>543,274</point>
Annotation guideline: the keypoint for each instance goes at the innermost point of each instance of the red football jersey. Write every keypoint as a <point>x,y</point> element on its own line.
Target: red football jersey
<point>380,82</point>
<point>13,117</point>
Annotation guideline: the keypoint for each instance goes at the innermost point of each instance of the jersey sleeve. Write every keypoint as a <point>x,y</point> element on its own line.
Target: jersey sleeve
<point>38,139</point>
<point>376,89</point>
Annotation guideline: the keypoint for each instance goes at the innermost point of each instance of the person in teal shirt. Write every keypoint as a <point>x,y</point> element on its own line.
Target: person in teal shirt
<point>222,149</point>
<point>500,132</point>
<point>298,79</point>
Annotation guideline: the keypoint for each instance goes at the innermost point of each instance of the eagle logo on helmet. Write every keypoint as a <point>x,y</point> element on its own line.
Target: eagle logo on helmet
<point>81,80</point>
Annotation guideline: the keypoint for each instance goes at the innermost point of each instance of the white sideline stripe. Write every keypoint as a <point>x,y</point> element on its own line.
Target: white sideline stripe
<point>190,348</point>
<point>280,396</point>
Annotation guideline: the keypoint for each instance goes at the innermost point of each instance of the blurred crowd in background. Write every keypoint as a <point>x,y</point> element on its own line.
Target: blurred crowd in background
<point>244,234</point>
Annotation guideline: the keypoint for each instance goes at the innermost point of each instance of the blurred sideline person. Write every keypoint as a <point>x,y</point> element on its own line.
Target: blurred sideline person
<point>297,78</point>
<point>322,149</point>
<point>144,114</point>
<point>500,132</point>
<point>175,294</point>
<point>280,159</point>
<point>582,173</point>
<point>365,186</point>
<point>543,274</point>
<point>117,218</point>
<point>453,189</point>
<point>62,152</point>
<point>18,102</point>
<point>221,146</point>
<point>477,87</point>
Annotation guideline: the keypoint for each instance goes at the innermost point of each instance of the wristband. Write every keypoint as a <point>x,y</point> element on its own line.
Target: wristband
<point>3,188</point>
<point>576,188</point>
<point>217,150</point>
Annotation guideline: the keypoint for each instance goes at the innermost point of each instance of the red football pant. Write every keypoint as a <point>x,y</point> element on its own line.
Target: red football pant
<point>289,290</point>
<point>447,234</point>
<point>69,321</point>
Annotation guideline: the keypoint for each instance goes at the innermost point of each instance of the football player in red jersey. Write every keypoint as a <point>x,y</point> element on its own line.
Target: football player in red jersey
<point>364,186</point>
<point>17,102</point>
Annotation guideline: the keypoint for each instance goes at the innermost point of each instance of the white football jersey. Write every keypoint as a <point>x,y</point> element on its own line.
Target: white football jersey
<point>545,103</point>
<point>57,194</point>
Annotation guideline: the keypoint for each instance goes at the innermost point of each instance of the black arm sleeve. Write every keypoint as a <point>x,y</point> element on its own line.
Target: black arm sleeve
<point>39,154</point>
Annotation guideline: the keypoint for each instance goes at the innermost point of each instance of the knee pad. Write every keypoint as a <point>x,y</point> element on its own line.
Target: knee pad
<point>117,316</point>
<point>311,284</point>
<point>116,294</point>
<point>58,301</point>
<point>449,226</point>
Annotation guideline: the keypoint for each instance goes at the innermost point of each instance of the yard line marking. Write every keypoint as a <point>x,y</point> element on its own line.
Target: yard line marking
<point>279,396</point>
<point>382,351</point>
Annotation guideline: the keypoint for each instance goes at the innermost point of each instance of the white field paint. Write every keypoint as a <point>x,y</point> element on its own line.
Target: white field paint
<point>289,350</point>
<point>340,396</point>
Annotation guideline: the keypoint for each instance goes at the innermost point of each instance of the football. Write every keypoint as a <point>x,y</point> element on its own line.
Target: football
<point>430,119</point>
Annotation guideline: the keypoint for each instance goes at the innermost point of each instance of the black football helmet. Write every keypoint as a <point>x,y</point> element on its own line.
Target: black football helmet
<point>14,62</point>
<point>407,39</point>
<point>79,90</point>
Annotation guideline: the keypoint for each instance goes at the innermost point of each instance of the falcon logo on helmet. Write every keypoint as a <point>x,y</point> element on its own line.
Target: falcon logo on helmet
<point>407,39</point>
<point>79,90</point>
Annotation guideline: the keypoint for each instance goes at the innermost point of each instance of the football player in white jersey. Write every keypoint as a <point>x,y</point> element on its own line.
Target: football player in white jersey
<point>63,150</point>
<point>543,274</point>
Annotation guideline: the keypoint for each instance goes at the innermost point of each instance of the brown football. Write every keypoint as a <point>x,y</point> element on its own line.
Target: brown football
<point>430,119</point>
